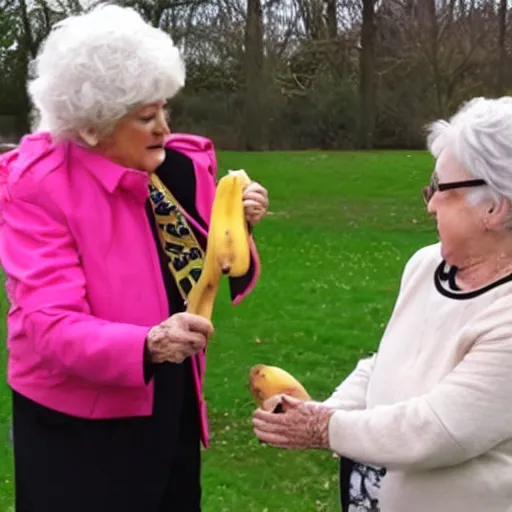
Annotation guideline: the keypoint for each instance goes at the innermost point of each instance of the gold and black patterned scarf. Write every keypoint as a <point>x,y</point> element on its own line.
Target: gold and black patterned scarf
<point>185,254</point>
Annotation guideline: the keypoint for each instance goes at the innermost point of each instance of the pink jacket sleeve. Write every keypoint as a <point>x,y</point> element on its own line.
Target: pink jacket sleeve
<point>47,283</point>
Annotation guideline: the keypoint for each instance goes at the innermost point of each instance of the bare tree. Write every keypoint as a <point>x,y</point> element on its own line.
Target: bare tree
<point>367,79</point>
<point>254,77</point>
<point>331,18</point>
<point>502,52</point>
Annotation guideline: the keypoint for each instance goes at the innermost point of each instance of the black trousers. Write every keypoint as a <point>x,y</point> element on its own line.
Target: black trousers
<point>66,464</point>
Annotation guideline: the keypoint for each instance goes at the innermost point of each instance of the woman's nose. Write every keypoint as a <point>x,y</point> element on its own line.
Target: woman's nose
<point>162,125</point>
<point>431,205</point>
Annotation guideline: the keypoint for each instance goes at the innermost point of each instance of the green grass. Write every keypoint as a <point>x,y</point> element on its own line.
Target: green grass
<point>341,227</point>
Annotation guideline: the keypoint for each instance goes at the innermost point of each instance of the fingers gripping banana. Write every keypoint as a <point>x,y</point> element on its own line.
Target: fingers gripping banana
<point>267,381</point>
<point>228,249</point>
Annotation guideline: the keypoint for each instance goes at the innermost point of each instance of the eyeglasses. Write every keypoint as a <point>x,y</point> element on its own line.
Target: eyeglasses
<point>434,186</point>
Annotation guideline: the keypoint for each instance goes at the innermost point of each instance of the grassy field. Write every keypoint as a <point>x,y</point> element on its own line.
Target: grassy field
<point>340,229</point>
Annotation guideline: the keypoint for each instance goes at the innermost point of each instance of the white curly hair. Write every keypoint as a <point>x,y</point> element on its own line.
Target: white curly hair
<point>480,136</point>
<point>95,67</point>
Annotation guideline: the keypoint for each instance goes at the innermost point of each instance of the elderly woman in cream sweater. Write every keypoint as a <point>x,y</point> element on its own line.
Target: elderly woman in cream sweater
<point>426,423</point>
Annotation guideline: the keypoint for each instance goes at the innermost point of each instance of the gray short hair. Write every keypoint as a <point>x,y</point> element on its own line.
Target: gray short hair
<point>95,67</point>
<point>480,136</point>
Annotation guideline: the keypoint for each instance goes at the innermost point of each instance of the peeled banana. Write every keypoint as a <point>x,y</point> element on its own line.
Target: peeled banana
<point>228,249</point>
<point>267,381</point>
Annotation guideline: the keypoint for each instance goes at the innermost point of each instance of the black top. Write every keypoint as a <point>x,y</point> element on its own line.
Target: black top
<point>173,381</point>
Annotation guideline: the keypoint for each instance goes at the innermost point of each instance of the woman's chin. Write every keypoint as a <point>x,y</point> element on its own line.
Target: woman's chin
<point>446,254</point>
<point>154,160</point>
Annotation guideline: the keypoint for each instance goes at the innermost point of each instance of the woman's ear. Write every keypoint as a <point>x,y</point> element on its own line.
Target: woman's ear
<point>498,214</point>
<point>90,136</point>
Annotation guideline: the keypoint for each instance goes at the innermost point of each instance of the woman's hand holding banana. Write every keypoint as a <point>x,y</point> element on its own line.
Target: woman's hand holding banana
<point>255,201</point>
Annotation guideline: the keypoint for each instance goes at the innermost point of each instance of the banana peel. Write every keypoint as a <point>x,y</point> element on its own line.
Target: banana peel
<point>267,381</point>
<point>228,248</point>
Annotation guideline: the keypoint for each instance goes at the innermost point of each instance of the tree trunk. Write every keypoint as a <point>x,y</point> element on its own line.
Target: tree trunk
<point>433,31</point>
<point>462,8</point>
<point>367,76</point>
<point>254,77</point>
<point>27,50</point>
<point>332,19</point>
<point>410,8</point>
<point>502,22</point>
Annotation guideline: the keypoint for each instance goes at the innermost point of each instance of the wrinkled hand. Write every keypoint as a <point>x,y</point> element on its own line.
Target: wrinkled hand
<point>301,424</point>
<point>180,336</point>
<point>255,200</point>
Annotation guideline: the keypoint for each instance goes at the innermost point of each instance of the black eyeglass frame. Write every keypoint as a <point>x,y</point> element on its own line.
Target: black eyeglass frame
<point>434,186</point>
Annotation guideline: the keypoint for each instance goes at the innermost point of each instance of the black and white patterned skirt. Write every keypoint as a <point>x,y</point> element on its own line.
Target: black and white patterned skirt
<point>360,486</point>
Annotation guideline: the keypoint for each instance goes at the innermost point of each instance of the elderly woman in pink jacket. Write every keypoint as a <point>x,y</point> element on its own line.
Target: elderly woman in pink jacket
<point>104,219</point>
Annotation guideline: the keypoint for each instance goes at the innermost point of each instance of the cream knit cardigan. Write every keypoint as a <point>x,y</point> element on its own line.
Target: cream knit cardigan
<point>434,405</point>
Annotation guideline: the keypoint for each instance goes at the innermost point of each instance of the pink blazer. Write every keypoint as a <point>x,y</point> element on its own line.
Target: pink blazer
<point>83,276</point>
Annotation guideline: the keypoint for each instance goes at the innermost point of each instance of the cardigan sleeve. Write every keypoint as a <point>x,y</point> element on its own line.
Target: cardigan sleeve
<point>351,393</point>
<point>465,415</point>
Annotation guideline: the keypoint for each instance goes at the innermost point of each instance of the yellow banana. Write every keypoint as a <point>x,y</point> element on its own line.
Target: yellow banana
<point>229,236</point>
<point>267,381</point>
<point>228,250</point>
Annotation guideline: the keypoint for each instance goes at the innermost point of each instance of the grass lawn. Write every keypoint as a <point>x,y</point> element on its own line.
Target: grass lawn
<point>341,227</point>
